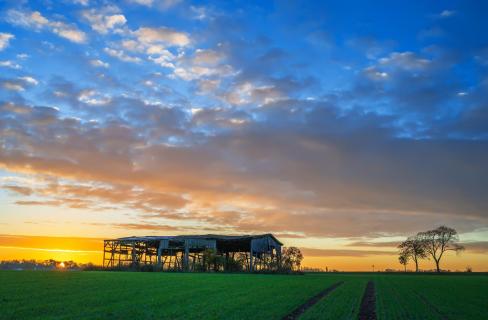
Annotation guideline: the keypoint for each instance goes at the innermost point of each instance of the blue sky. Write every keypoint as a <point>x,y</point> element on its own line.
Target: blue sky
<point>291,117</point>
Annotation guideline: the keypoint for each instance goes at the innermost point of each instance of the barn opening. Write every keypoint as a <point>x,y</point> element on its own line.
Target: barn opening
<point>195,252</point>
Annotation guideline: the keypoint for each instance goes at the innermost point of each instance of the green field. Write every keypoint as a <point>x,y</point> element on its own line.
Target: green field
<point>127,295</point>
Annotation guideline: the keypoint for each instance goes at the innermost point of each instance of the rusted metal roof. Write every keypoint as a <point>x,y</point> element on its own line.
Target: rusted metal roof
<point>205,236</point>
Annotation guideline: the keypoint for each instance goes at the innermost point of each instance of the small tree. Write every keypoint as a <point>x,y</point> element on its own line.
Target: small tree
<point>403,259</point>
<point>438,241</point>
<point>413,248</point>
<point>291,258</point>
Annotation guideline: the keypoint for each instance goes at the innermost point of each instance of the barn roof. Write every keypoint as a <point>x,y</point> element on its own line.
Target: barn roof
<point>205,236</point>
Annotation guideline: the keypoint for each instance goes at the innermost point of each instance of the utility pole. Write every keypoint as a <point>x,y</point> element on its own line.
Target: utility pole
<point>373,267</point>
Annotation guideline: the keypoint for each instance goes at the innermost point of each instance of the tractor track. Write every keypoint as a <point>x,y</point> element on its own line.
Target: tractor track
<point>368,303</point>
<point>295,314</point>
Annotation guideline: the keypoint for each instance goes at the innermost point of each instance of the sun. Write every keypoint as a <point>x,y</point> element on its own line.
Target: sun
<point>61,265</point>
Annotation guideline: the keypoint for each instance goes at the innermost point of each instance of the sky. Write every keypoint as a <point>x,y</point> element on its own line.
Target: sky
<point>340,127</point>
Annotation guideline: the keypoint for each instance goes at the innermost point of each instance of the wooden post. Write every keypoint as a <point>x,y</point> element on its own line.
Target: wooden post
<point>104,248</point>
<point>133,253</point>
<point>160,249</point>
<point>185,257</point>
<point>251,266</point>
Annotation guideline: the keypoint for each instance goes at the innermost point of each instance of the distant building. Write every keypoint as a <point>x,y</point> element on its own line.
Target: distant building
<point>195,252</point>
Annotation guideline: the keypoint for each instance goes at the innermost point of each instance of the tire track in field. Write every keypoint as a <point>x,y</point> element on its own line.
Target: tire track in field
<point>368,303</point>
<point>310,302</point>
<point>432,306</point>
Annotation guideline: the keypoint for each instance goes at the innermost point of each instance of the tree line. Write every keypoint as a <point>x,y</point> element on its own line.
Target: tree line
<point>429,244</point>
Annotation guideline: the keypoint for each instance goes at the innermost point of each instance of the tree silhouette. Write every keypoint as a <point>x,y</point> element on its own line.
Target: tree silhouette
<point>403,259</point>
<point>291,258</point>
<point>414,248</point>
<point>438,241</point>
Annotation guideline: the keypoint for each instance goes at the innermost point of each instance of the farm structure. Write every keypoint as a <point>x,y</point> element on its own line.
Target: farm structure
<point>195,252</point>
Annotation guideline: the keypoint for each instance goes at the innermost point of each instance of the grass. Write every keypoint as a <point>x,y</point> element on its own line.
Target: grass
<point>432,297</point>
<point>343,303</point>
<point>126,295</point>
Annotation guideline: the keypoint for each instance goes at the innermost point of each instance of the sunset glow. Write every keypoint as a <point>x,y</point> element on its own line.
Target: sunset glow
<point>341,134</point>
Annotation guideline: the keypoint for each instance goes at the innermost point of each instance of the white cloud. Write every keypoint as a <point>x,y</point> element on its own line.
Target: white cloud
<point>5,39</point>
<point>143,2</point>
<point>105,19</point>
<point>161,4</point>
<point>30,20</point>
<point>161,56</point>
<point>207,57</point>
<point>121,55</point>
<point>248,92</point>
<point>405,60</point>
<point>208,85</point>
<point>12,85</point>
<point>36,21</point>
<point>447,13</point>
<point>92,97</point>
<point>132,45</point>
<point>29,80</point>
<point>204,63</point>
<point>162,35</point>
<point>81,2</point>
<point>99,63</point>
<point>199,13</point>
<point>69,32</point>
<point>9,64</point>
<point>18,84</point>
<point>374,74</point>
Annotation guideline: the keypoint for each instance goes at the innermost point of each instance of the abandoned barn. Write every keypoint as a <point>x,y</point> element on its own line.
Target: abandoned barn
<point>195,252</point>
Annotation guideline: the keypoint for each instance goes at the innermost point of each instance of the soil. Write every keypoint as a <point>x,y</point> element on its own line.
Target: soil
<point>301,309</point>
<point>368,303</point>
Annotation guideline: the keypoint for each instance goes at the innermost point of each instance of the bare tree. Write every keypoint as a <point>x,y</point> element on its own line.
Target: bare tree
<point>403,259</point>
<point>414,248</point>
<point>438,241</point>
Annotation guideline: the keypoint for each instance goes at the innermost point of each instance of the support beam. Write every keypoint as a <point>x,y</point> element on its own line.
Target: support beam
<point>160,249</point>
<point>251,264</point>
<point>104,248</point>
<point>134,256</point>
<point>185,257</point>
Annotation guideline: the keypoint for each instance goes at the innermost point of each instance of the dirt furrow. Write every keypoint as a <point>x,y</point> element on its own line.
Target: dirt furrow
<point>301,309</point>
<point>368,303</point>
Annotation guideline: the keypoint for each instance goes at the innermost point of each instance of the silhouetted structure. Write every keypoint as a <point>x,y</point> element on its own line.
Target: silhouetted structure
<point>195,252</point>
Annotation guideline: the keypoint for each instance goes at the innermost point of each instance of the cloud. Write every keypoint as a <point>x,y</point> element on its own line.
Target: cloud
<point>404,60</point>
<point>307,170</point>
<point>391,244</point>
<point>5,40</point>
<point>160,4</point>
<point>18,84</point>
<point>10,64</point>
<point>81,2</point>
<point>29,80</point>
<point>36,21</point>
<point>162,35</point>
<point>259,136</point>
<point>310,252</point>
<point>476,246</point>
<point>447,13</point>
<point>103,20</point>
<point>99,63</point>
<point>143,2</point>
<point>121,55</point>
<point>25,191</point>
